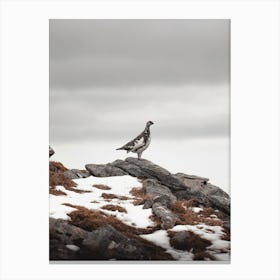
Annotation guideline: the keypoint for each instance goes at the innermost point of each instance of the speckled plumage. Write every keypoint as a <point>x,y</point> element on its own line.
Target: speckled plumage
<point>140,143</point>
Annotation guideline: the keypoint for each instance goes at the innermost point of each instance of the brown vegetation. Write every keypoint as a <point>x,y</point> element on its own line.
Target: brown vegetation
<point>189,217</point>
<point>55,166</point>
<point>156,220</point>
<point>94,201</point>
<point>56,192</point>
<point>226,235</point>
<point>140,196</point>
<point>138,192</point>
<point>112,196</point>
<point>193,241</point>
<point>92,219</point>
<point>192,203</point>
<point>112,207</point>
<point>101,187</point>
<point>208,211</point>
<point>202,256</point>
<point>179,207</point>
<point>57,178</point>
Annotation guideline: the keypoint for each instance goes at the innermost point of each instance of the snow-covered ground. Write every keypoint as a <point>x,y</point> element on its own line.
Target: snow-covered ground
<point>136,216</point>
<point>120,185</point>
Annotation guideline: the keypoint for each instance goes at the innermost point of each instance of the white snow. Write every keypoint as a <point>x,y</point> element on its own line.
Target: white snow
<point>72,247</point>
<point>219,248</point>
<point>196,209</point>
<point>161,239</point>
<point>120,185</point>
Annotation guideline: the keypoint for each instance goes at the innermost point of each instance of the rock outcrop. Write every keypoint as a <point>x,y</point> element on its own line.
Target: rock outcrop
<point>112,244</point>
<point>51,151</point>
<point>200,189</point>
<point>180,185</point>
<point>175,200</point>
<point>161,198</point>
<point>142,169</point>
<point>186,240</point>
<point>63,234</point>
<point>69,242</point>
<point>76,173</point>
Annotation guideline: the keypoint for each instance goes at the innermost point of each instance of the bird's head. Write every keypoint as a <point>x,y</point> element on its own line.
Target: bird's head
<point>149,123</point>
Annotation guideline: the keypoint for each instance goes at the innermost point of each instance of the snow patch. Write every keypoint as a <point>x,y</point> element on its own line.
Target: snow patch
<point>196,209</point>
<point>72,247</point>
<point>120,185</point>
<point>161,238</point>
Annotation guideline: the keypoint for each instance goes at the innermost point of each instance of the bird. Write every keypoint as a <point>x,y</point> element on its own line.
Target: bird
<point>140,143</point>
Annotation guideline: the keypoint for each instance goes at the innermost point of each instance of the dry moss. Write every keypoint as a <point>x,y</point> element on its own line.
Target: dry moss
<point>112,196</point>
<point>140,196</point>
<point>178,207</point>
<point>188,217</point>
<point>112,207</point>
<point>203,256</point>
<point>92,219</point>
<point>55,166</point>
<point>57,178</point>
<point>56,192</point>
<point>193,242</point>
<point>226,235</point>
<point>193,203</point>
<point>138,192</point>
<point>101,187</point>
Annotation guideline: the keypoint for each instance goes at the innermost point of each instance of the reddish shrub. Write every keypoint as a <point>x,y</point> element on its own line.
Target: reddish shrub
<point>226,235</point>
<point>178,207</point>
<point>192,241</point>
<point>59,179</point>
<point>140,196</point>
<point>57,166</point>
<point>202,256</point>
<point>189,217</point>
<point>112,196</point>
<point>56,192</point>
<point>101,187</point>
<point>138,192</point>
<point>112,207</point>
<point>92,219</point>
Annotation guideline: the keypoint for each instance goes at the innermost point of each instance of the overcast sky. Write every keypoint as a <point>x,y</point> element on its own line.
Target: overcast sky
<point>109,77</point>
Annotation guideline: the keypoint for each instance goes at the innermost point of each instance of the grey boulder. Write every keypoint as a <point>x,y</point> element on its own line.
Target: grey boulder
<point>51,151</point>
<point>159,192</point>
<point>208,194</point>
<point>62,234</point>
<point>76,174</point>
<point>107,243</point>
<point>142,169</point>
<point>104,170</point>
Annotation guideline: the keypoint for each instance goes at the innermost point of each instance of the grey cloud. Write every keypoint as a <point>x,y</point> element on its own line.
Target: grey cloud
<point>96,53</point>
<point>178,112</point>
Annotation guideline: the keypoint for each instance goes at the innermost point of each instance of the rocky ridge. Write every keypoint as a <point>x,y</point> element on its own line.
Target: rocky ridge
<point>181,185</point>
<point>174,200</point>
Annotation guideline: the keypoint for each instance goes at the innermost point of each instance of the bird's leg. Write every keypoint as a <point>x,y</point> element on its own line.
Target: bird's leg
<point>139,155</point>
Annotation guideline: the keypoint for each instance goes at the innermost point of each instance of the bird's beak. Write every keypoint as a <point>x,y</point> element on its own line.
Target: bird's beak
<point>152,123</point>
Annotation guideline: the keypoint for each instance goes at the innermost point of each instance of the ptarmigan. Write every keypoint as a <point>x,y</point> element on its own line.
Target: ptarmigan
<point>140,143</point>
